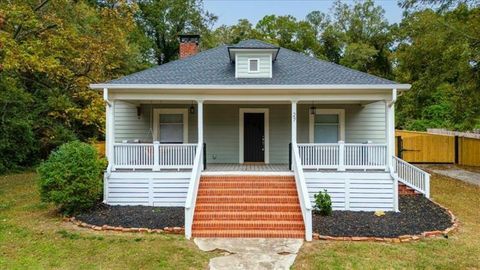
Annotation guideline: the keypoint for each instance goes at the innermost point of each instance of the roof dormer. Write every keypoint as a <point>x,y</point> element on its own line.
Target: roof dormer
<point>253,59</point>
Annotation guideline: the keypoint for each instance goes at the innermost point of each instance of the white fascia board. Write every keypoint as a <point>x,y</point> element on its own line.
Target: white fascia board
<point>233,51</point>
<point>255,87</point>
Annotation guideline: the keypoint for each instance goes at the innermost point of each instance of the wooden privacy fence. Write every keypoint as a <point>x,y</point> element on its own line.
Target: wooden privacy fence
<point>469,151</point>
<point>422,147</point>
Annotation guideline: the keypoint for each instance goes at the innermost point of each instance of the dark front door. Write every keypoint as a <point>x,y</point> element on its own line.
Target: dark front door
<point>254,137</point>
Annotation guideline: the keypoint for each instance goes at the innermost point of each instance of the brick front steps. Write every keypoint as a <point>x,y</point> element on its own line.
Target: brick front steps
<point>248,206</point>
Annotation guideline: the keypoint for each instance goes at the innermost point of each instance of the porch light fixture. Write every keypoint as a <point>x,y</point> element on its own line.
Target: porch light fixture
<point>192,109</point>
<point>139,112</point>
<point>312,110</point>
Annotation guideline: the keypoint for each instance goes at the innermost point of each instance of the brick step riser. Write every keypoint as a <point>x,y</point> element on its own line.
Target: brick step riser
<point>247,192</point>
<point>239,216</point>
<point>243,199</point>
<point>245,227</point>
<point>246,234</point>
<point>246,208</point>
<point>248,185</point>
<point>248,178</point>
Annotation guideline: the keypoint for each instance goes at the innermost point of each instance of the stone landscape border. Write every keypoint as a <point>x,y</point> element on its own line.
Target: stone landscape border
<point>399,239</point>
<point>316,236</point>
<point>167,230</point>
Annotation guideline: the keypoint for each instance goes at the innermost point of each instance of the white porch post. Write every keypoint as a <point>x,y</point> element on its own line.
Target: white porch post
<point>294,123</point>
<point>390,130</point>
<point>341,156</point>
<point>200,121</point>
<point>390,134</point>
<point>109,129</point>
<point>200,124</point>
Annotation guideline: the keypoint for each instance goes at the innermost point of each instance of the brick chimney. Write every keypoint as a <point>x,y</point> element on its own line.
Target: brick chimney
<point>188,45</point>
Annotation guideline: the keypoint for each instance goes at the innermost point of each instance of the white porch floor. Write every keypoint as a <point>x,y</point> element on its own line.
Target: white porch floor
<point>232,167</point>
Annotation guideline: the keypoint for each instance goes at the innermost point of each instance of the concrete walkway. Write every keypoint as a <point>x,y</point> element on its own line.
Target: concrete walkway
<point>251,253</point>
<point>453,171</point>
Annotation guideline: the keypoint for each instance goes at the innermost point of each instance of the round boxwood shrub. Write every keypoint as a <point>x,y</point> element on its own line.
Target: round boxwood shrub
<point>71,177</point>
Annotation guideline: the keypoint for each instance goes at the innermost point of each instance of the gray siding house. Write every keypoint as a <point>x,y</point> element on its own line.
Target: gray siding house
<point>243,136</point>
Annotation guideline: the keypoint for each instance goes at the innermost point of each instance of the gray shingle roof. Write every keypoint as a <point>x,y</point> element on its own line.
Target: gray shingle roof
<point>253,43</point>
<point>212,67</point>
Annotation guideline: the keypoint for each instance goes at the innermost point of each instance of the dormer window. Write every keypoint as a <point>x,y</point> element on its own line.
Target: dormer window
<point>253,65</point>
<point>253,59</point>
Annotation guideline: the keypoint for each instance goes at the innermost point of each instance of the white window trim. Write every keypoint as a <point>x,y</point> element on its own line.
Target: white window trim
<point>266,118</point>
<point>156,118</point>
<point>258,65</point>
<point>341,119</point>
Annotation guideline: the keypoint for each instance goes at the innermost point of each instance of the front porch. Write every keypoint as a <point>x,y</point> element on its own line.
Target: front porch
<point>161,151</point>
<point>164,136</point>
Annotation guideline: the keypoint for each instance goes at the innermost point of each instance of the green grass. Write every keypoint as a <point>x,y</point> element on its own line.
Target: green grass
<point>460,251</point>
<point>32,236</point>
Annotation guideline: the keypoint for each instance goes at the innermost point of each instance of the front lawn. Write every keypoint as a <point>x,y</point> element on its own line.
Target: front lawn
<point>32,236</point>
<point>460,251</point>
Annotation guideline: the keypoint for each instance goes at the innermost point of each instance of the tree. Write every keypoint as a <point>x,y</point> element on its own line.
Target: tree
<point>163,20</point>
<point>442,5</point>
<point>233,34</point>
<point>366,37</point>
<point>17,143</point>
<point>53,50</point>
<point>439,54</point>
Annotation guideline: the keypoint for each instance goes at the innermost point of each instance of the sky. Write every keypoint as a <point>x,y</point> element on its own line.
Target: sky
<point>230,11</point>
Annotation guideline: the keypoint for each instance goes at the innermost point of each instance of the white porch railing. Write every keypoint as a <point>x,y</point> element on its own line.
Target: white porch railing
<point>412,176</point>
<point>302,191</point>
<point>192,191</point>
<point>342,156</point>
<point>153,156</point>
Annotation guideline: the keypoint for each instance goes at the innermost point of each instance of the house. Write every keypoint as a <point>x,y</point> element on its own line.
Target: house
<point>243,136</point>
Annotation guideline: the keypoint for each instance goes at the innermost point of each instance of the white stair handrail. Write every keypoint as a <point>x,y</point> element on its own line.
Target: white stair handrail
<point>411,176</point>
<point>305,204</point>
<point>192,191</point>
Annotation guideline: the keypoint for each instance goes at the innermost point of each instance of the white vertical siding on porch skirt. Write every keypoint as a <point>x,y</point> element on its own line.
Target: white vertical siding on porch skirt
<point>147,188</point>
<point>354,191</point>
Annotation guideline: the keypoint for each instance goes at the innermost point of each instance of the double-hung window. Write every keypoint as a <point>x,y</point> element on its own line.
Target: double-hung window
<point>171,126</point>
<point>327,126</point>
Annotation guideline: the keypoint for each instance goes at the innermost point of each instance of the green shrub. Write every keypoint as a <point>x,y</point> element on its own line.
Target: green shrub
<point>71,178</point>
<point>323,203</point>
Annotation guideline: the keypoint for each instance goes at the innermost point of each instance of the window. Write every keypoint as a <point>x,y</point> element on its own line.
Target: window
<point>171,128</point>
<point>253,65</point>
<point>327,126</point>
<point>170,125</point>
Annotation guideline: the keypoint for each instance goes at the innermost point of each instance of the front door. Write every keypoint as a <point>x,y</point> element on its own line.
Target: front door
<point>254,137</point>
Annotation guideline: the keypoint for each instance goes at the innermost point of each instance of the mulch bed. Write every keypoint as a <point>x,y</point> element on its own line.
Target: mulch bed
<point>134,216</point>
<point>417,215</point>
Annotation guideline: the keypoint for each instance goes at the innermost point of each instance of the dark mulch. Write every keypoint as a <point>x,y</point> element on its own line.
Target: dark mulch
<point>417,214</point>
<point>134,216</point>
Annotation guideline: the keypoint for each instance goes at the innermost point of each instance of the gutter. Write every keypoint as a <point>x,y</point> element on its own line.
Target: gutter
<point>253,86</point>
<point>394,97</point>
